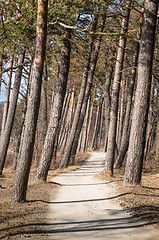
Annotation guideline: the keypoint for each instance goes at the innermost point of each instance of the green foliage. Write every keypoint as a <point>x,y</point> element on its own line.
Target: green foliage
<point>18,23</point>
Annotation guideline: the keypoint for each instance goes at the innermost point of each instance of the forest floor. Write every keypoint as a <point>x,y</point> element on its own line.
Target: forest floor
<point>28,220</point>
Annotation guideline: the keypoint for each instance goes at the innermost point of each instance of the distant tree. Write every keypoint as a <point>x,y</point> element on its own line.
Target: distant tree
<point>7,94</point>
<point>7,128</point>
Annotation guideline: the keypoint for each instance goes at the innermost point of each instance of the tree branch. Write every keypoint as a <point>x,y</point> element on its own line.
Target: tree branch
<point>17,66</point>
<point>97,33</point>
<point>12,89</point>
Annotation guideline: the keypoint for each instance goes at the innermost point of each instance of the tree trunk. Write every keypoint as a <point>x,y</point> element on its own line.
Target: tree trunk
<point>87,95</point>
<point>20,134</point>
<point>122,111</point>
<point>20,137</point>
<point>126,126</point>
<point>133,171</point>
<point>7,95</point>
<point>56,110</point>
<point>44,102</point>
<point>1,63</point>
<point>96,127</point>
<point>85,129</point>
<point>107,102</point>
<point>157,130</point>
<point>66,158</point>
<point>42,122</point>
<point>27,145</point>
<point>101,123</point>
<point>91,112</point>
<point>63,121</point>
<point>110,154</point>
<point>5,136</point>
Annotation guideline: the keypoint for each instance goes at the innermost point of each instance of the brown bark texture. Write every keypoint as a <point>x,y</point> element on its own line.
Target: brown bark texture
<point>84,139</point>
<point>110,154</point>
<point>27,145</point>
<point>107,101</point>
<point>7,95</point>
<point>133,171</point>
<point>56,110</point>
<point>126,126</point>
<point>87,93</point>
<point>1,63</point>
<point>66,158</point>
<point>94,144</point>
<point>5,136</point>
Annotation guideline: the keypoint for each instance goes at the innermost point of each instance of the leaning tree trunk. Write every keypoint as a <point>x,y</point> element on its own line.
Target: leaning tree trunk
<point>66,158</point>
<point>97,126</point>
<point>56,110</point>
<point>1,63</point>
<point>27,145</point>
<point>133,171</point>
<point>91,113</point>
<point>85,129</point>
<point>20,137</point>
<point>110,154</point>
<point>5,136</point>
<point>7,95</point>
<point>107,102</point>
<point>64,115</point>
<point>157,128</point>
<point>121,111</point>
<point>87,94</point>
<point>44,103</point>
<point>126,127</point>
<point>20,134</point>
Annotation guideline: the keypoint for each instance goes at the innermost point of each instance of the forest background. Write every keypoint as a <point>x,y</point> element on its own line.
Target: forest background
<point>79,76</point>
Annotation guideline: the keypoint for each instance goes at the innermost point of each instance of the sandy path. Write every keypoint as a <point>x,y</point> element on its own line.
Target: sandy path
<point>83,208</point>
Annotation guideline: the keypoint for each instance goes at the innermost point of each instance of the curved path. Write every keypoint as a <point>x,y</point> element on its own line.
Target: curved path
<point>84,208</point>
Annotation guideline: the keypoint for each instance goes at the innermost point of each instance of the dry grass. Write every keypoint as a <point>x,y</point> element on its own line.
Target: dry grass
<point>28,218</point>
<point>142,200</point>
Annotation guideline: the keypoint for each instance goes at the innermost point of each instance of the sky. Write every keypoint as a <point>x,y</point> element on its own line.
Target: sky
<point>3,89</point>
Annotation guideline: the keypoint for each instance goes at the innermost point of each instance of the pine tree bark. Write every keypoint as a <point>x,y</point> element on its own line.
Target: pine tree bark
<point>86,95</point>
<point>44,102</point>
<point>27,145</point>
<point>122,111</point>
<point>107,102</point>
<point>66,158</point>
<point>101,123</point>
<point>91,112</point>
<point>20,137</point>
<point>85,129</point>
<point>133,171</point>
<point>63,121</point>
<point>56,110</point>
<point>157,130</point>
<point>20,134</point>
<point>110,154</point>
<point>5,136</point>
<point>1,63</point>
<point>68,124</point>
<point>126,126</point>
<point>96,127</point>
<point>7,95</point>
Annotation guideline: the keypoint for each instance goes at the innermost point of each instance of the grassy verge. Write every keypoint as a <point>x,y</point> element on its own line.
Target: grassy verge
<point>29,218</point>
<point>142,200</point>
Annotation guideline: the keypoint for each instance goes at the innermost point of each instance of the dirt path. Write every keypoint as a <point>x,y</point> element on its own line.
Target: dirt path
<point>85,208</point>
